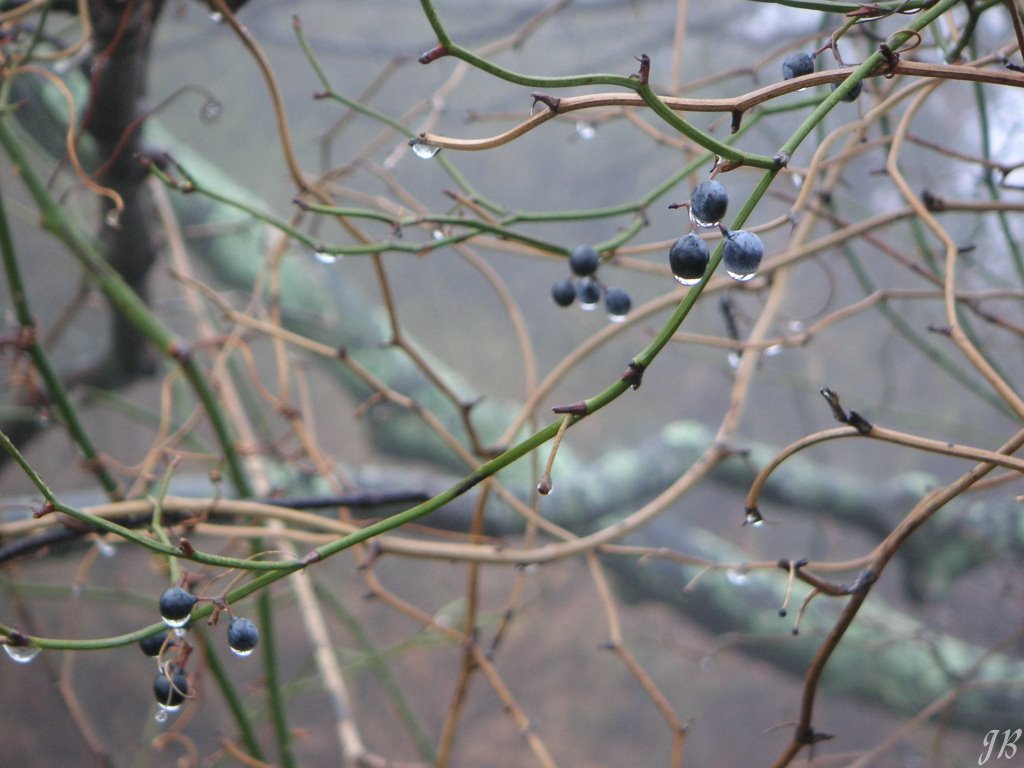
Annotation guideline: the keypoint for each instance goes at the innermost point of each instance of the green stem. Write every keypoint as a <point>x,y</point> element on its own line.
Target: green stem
<point>825,7</point>
<point>573,81</point>
<point>989,182</point>
<point>173,569</point>
<point>272,680</point>
<point>230,693</point>
<point>373,114</point>
<point>869,65</point>
<point>124,299</point>
<point>58,396</point>
<point>377,661</point>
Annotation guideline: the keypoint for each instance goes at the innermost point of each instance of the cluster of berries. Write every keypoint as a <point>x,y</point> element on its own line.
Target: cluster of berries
<point>689,256</point>
<point>583,262</point>
<point>171,686</point>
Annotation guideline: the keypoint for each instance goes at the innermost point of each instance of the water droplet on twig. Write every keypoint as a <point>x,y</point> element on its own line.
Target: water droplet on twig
<point>211,111</point>
<point>423,148</point>
<point>736,577</point>
<point>585,130</point>
<point>22,654</point>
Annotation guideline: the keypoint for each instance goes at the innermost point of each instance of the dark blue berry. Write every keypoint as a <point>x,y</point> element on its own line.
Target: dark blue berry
<point>618,303</point>
<point>564,292</point>
<point>243,635</point>
<point>170,692</point>
<point>688,259</point>
<point>589,292</point>
<point>584,260</point>
<point>742,254</point>
<point>854,92</point>
<point>175,606</point>
<point>708,203</point>
<point>151,645</point>
<point>797,64</point>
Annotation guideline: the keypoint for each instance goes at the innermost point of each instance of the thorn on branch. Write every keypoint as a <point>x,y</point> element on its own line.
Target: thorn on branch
<point>43,511</point>
<point>807,735</point>
<point>311,558</point>
<point>892,60</point>
<point>575,409</point>
<point>433,54</point>
<point>852,418</point>
<point>737,119</point>
<point>634,374</point>
<point>752,516</point>
<point>1010,65</point>
<point>552,102</point>
<point>933,203</point>
<point>781,160</point>
<point>863,582</point>
<point>179,352</point>
<point>942,330</point>
<point>645,69</point>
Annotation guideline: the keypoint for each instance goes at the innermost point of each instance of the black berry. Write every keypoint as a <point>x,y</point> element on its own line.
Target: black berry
<point>243,635</point>
<point>797,64</point>
<point>564,292</point>
<point>589,292</point>
<point>618,303</point>
<point>151,645</point>
<point>708,203</point>
<point>742,254</point>
<point>854,92</point>
<point>584,260</point>
<point>170,692</point>
<point>689,258</point>
<point>175,606</point>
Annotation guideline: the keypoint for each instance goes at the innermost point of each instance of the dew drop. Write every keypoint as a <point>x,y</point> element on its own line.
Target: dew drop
<point>105,548</point>
<point>795,326</point>
<point>179,632</point>
<point>687,280</point>
<point>588,306</point>
<point>211,111</point>
<point>242,654</point>
<point>176,623</point>
<point>423,148</point>
<point>617,318</point>
<point>437,234</point>
<point>773,350</point>
<point>22,654</point>
<point>216,17</point>
<point>797,179</point>
<point>325,258</point>
<point>113,218</point>
<point>733,359</point>
<point>161,715</point>
<point>741,277</point>
<point>736,577</point>
<point>698,223</point>
<point>585,130</point>
<point>759,523</point>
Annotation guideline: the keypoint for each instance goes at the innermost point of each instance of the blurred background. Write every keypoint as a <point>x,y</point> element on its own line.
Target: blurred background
<point>739,707</point>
